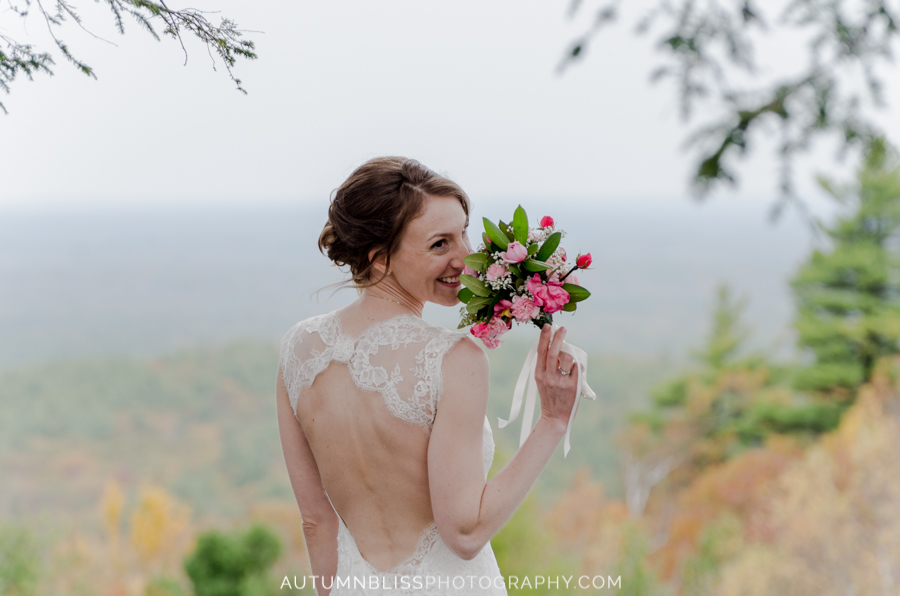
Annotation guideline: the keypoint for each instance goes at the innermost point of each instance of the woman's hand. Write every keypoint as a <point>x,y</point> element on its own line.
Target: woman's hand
<point>555,376</point>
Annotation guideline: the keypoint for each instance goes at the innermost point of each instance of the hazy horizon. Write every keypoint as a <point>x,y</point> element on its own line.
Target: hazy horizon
<point>130,280</point>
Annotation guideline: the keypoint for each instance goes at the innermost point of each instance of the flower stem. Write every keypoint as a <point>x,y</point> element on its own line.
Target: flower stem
<point>569,273</point>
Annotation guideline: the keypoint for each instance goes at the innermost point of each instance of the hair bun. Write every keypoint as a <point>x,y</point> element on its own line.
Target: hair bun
<point>370,210</point>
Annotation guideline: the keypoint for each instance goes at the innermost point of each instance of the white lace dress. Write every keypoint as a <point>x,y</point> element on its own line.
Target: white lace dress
<point>400,358</point>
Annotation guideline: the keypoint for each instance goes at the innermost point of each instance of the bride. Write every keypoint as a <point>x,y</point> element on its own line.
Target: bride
<point>382,415</point>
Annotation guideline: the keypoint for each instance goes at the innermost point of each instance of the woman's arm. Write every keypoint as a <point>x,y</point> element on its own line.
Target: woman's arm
<point>468,511</point>
<point>320,522</point>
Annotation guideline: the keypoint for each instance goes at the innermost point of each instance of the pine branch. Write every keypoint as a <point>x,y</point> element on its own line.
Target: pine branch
<point>709,46</point>
<point>224,40</point>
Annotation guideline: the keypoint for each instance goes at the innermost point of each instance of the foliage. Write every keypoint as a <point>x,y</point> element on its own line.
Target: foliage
<point>23,59</point>
<point>834,514</point>
<point>234,564</point>
<point>163,586</point>
<point>710,53</point>
<point>719,541</point>
<point>727,333</point>
<point>730,403</point>
<point>848,299</point>
<point>638,578</point>
<point>156,522</point>
<point>521,548</point>
<point>19,563</point>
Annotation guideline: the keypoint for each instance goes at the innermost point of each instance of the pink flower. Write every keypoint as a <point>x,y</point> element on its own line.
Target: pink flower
<point>496,271</point>
<point>515,253</point>
<point>547,222</point>
<point>524,309</point>
<point>549,296</point>
<point>469,271</point>
<point>489,333</point>
<point>483,332</point>
<point>562,254</point>
<point>584,261</point>
<point>502,309</point>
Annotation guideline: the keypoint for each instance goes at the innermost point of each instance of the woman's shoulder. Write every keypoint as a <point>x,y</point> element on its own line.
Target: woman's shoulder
<point>464,349</point>
<point>312,323</point>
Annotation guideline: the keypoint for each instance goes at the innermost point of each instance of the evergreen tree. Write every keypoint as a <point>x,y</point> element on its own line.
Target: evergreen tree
<point>848,298</point>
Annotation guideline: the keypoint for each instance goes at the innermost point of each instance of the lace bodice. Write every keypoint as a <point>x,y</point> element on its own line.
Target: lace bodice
<point>400,358</point>
<point>408,375</point>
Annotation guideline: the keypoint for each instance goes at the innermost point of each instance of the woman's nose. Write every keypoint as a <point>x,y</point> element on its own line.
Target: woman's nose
<point>461,252</point>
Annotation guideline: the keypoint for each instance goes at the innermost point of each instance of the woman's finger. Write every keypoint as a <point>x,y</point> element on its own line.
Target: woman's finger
<point>553,351</point>
<point>543,345</point>
<point>565,360</point>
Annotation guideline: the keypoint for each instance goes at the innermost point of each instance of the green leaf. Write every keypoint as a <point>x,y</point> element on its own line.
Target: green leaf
<point>570,306</point>
<point>576,293</point>
<point>497,237</point>
<point>487,240</point>
<point>476,304</point>
<point>532,248</point>
<point>476,285</point>
<point>477,261</point>
<point>465,295</point>
<point>514,269</point>
<point>507,229</point>
<point>520,225</point>
<point>548,247</point>
<point>535,266</point>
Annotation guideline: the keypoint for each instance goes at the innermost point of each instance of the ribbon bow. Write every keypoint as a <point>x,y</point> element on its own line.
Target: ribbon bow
<point>526,377</point>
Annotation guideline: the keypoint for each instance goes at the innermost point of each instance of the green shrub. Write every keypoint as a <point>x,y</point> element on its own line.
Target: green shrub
<point>234,564</point>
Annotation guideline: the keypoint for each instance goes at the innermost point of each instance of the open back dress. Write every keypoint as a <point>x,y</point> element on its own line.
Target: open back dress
<point>392,369</point>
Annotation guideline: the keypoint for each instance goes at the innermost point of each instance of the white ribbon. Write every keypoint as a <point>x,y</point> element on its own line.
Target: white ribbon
<point>526,377</point>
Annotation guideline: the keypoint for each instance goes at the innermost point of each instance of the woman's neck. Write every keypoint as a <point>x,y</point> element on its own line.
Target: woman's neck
<point>388,289</point>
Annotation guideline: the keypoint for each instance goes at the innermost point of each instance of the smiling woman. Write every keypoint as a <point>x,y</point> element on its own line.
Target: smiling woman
<point>371,210</point>
<point>382,415</point>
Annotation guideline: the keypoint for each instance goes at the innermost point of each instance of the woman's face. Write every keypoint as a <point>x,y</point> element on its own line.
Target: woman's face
<point>429,260</point>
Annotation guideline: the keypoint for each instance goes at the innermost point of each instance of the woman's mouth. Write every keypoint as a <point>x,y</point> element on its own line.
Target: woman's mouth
<point>449,281</point>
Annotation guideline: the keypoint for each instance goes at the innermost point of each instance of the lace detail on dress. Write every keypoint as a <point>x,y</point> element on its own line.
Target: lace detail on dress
<point>401,359</point>
<point>415,403</point>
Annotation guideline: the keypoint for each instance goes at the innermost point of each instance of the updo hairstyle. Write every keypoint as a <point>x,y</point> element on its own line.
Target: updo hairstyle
<point>372,208</point>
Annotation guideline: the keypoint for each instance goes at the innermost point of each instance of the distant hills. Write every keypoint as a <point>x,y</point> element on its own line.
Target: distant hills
<point>202,424</point>
<point>143,281</point>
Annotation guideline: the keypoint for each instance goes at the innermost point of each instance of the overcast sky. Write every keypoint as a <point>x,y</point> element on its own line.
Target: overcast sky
<point>469,88</point>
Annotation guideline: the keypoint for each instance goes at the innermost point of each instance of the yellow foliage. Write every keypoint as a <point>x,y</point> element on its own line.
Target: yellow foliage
<point>111,505</point>
<point>157,523</point>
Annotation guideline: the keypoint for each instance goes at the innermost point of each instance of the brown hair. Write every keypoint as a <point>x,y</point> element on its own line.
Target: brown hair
<point>372,208</point>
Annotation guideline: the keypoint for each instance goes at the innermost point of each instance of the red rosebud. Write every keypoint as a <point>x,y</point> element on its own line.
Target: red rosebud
<point>584,261</point>
<point>546,221</point>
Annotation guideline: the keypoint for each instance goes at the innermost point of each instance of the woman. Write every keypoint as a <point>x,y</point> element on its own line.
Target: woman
<point>382,415</point>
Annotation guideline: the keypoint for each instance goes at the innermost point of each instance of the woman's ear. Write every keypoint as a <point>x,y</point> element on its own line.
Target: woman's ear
<point>378,263</point>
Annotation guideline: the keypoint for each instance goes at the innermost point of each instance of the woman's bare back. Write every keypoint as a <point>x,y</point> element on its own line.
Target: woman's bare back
<point>365,393</point>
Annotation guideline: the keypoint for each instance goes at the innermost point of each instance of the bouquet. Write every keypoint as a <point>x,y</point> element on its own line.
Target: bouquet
<point>521,274</point>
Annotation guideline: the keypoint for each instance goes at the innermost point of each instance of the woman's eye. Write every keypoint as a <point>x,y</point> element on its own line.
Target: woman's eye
<point>439,244</point>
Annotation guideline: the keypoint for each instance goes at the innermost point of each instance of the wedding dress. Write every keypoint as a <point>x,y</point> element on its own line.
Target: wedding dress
<point>400,358</point>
